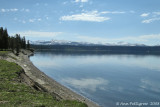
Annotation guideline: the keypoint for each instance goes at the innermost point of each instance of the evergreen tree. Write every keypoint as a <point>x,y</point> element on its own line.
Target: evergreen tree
<point>23,43</point>
<point>5,39</point>
<point>17,44</point>
<point>1,38</point>
<point>28,45</point>
<point>10,42</point>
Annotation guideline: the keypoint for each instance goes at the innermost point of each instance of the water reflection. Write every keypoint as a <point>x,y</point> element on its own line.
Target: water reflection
<point>91,84</point>
<point>146,61</point>
<point>152,85</point>
<point>104,78</point>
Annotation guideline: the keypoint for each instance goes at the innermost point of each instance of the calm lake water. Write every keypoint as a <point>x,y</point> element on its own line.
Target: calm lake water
<point>105,78</point>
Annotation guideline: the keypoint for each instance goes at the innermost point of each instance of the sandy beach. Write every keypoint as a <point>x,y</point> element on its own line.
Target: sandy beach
<point>40,81</point>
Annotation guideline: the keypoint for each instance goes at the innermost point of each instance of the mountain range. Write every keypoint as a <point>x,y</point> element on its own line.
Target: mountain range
<point>64,42</point>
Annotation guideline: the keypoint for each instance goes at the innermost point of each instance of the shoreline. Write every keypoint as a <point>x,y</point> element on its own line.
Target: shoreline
<point>40,81</point>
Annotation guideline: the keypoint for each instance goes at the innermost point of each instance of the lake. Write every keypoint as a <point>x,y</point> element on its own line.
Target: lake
<point>107,79</point>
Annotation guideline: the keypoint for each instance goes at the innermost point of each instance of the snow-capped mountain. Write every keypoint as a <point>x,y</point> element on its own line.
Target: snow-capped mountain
<point>61,42</point>
<point>129,44</point>
<point>64,42</point>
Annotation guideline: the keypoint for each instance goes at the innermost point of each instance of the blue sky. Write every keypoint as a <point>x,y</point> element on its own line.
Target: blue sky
<point>96,21</point>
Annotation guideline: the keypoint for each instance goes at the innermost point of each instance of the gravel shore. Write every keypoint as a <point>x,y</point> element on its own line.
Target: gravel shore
<point>40,81</point>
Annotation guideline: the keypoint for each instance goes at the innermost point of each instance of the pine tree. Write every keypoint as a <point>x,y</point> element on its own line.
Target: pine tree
<point>28,45</point>
<point>23,43</point>
<point>5,39</point>
<point>1,38</point>
<point>17,44</point>
<point>10,42</point>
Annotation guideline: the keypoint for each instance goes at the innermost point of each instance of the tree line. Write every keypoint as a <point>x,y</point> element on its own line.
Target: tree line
<point>101,49</point>
<point>14,43</point>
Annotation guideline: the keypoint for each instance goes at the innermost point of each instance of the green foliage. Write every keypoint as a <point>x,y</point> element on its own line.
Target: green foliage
<point>28,45</point>
<point>11,42</point>
<point>18,42</point>
<point>13,93</point>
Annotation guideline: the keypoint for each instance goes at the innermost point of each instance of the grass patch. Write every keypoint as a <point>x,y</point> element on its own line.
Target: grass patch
<point>13,93</point>
<point>3,53</point>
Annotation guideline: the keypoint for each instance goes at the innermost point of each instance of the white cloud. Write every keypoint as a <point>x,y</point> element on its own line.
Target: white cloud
<point>19,20</point>
<point>64,2</point>
<point>34,20</point>
<point>3,10</point>
<point>84,0</point>
<point>14,10</point>
<point>87,83</point>
<point>131,39</point>
<point>77,0</point>
<point>31,20</point>
<point>148,37</point>
<point>81,1</point>
<point>156,13</point>
<point>25,10</point>
<point>9,10</point>
<point>39,34</point>
<point>23,21</point>
<point>113,12</point>
<point>39,19</point>
<point>93,16</point>
<point>151,20</point>
<point>47,17</point>
<point>144,14</point>
<point>154,16</point>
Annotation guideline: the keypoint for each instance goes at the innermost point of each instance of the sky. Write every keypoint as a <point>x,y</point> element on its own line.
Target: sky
<point>95,21</point>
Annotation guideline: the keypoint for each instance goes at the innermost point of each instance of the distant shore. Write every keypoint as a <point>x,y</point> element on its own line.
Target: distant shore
<point>101,49</point>
<point>37,79</point>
